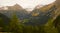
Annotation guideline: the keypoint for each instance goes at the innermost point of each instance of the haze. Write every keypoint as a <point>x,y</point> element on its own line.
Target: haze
<point>25,3</point>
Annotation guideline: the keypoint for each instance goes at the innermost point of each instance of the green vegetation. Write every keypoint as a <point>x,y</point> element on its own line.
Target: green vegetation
<point>16,27</point>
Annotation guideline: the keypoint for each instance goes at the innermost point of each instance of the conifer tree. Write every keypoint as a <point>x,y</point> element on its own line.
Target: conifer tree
<point>14,25</point>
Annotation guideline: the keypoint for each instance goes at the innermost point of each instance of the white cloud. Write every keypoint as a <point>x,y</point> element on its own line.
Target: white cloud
<point>25,3</point>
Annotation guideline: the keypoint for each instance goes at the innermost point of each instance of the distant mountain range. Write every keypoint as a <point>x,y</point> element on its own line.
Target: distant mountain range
<point>39,15</point>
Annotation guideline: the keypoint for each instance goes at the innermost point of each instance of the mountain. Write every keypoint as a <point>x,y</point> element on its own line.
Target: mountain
<point>21,14</point>
<point>15,7</point>
<point>38,16</point>
<point>41,15</point>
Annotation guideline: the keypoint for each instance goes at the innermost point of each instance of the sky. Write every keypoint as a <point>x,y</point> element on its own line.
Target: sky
<point>25,3</point>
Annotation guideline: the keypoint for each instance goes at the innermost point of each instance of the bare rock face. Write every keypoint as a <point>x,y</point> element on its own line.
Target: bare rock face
<point>15,7</point>
<point>58,2</point>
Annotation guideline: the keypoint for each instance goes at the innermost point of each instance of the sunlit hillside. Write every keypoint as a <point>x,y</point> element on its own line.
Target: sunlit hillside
<point>46,7</point>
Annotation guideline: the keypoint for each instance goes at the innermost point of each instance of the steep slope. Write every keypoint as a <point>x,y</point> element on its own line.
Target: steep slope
<point>20,12</point>
<point>42,15</point>
<point>15,7</point>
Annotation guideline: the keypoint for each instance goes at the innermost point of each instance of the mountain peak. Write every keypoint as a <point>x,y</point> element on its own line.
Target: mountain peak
<point>15,7</point>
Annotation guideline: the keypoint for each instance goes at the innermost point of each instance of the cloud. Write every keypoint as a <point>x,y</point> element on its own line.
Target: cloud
<point>25,3</point>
